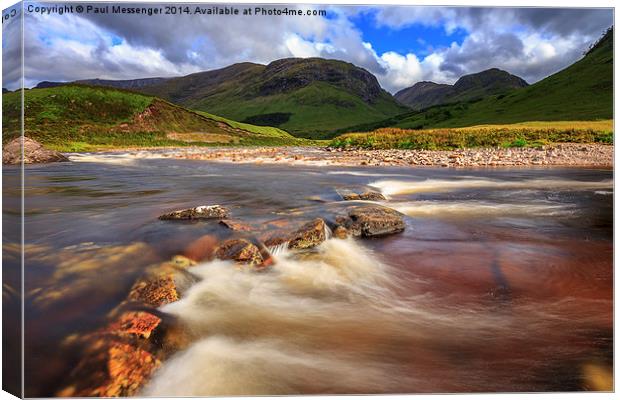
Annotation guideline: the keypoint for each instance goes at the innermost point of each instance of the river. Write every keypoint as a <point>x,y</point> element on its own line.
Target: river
<point>501,281</point>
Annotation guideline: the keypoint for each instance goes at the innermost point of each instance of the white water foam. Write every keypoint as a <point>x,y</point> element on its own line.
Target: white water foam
<point>397,187</point>
<point>275,332</point>
<point>362,173</point>
<point>439,209</point>
<point>115,158</point>
<point>315,323</point>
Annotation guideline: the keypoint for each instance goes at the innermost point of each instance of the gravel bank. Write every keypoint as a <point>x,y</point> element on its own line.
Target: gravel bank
<point>565,154</point>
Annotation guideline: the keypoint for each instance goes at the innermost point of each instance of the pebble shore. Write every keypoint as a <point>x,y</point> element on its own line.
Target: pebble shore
<point>564,154</point>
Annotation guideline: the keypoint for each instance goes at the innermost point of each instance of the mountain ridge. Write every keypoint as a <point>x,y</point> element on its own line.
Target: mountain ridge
<point>488,82</point>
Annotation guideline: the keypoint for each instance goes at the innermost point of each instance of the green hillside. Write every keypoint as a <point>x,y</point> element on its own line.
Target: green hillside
<point>583,91</point>
<point>80,118</point>
<point>305,97</point>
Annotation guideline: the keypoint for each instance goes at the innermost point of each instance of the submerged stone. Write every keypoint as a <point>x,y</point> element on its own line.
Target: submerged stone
<point>182,261</point>
<point>235,225</point>
<point>201,248</point>
<point>201,212</point>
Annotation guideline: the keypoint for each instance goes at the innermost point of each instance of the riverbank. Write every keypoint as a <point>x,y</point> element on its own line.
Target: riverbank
<point>564,154</point>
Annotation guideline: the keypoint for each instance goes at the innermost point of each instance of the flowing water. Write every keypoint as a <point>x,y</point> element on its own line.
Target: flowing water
<point>502,280</point>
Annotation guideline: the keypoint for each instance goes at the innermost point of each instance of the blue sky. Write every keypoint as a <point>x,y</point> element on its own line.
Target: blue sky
<point>401,45</point>
<point>417,38</point>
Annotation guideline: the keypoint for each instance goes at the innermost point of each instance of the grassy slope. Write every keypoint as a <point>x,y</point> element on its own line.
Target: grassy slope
<point>268,131</point>
<point>314,109</point>
<point>583,91</point>
<point>76,118</point>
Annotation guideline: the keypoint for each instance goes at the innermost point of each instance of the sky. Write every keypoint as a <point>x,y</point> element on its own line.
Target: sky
<point>400,45</point>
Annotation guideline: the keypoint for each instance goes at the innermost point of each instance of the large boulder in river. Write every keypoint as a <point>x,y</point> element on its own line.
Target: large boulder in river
<point>369,221</point>
<point>34,152</point>
<point>201,212</point>
<point>309,235</point>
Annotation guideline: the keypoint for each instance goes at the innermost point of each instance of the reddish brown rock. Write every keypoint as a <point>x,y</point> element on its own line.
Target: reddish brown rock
<point>239,250</point>
<point>201,212</point>
<point>137,323</point>
<point>155,290</point>
<point>34,152</point>
<point>111,369</point>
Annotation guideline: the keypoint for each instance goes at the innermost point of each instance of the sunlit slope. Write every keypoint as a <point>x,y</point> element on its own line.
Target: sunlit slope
<point>77,117</point>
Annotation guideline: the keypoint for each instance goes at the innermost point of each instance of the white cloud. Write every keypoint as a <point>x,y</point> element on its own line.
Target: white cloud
<point>299,47</point>
<point>529,44</point>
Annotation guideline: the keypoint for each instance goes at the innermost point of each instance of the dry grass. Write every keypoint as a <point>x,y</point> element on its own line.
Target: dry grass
<point>525,134</point>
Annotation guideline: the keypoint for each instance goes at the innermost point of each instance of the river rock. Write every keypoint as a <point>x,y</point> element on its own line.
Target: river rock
<point>309,235</point>
<point>34,153</point>
<point>369,195</point>
<point>155,290</point>
<point>110,368</point>
<point>341,232</point>
<point>368,221</point>
<point>134,323</point>
<point>239,250</point>
<point>201,212</point>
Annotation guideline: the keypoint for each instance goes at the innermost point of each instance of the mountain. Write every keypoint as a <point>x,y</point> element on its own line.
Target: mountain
<point>123,84</point>
<point>492,81</point>
<point>581,92</point>
<point>80,118</point>
<point>306,97</point>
